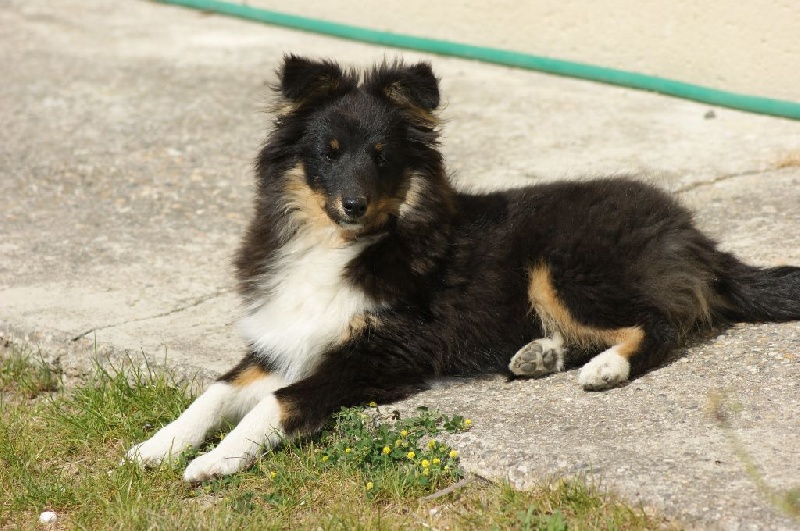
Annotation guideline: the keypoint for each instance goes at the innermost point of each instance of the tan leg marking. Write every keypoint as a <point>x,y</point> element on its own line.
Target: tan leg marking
<point>358,325</point>
<point>249,375</point>
<point>556,318</point>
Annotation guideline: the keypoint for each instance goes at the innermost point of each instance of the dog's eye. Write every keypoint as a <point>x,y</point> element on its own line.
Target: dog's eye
<point>331,151</point>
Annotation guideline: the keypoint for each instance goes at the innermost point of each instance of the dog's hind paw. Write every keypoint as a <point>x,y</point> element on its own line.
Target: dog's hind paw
<point>607,369</point>
<point>539,357</point>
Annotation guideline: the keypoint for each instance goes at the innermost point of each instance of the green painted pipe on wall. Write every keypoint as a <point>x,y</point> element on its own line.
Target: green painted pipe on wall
<point>722,98</point>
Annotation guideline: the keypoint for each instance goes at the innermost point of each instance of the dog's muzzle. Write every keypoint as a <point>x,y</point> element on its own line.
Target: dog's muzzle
<point>354,208</point>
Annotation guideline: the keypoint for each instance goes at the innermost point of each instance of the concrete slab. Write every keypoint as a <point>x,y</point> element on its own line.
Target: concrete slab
<point>129,130</point>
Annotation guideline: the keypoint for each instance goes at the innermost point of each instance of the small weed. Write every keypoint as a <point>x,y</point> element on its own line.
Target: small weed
<point>565,504</point>
<point>392,454</point>
<point>22,375</point>
<point>788,501</point>
<point>790,159</point>
<point>532,519</point>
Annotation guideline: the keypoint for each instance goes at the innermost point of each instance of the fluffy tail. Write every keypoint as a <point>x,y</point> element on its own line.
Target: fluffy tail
<point>753,295</point>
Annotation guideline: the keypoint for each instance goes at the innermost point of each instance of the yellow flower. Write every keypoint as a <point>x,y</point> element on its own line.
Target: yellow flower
<point>411,455</point>
<point>370,485</point>
<point>373,404</point>
<point>425,463</point>
<point>453,454</point>
<point>431,444</point>
<point>347,450</point>
<point>404,433</point>
<point>467,423</point>
<point>386,450</point>
<point>426,471</point>
<point>273,475</point>
<point>436,460</point>
<point>324,458</point>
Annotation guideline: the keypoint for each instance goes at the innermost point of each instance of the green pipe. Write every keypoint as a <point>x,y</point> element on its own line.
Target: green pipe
<point>722,98</point>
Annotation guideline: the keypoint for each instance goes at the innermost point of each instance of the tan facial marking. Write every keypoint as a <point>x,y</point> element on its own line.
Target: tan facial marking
<point>397,93</point>
<point>307,205</point>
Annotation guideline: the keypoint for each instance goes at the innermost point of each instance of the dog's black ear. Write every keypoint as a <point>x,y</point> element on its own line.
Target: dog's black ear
<point>407,86</point>
<point>303,80</point>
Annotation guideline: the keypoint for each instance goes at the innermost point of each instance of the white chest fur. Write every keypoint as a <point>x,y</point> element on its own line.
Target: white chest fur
<point>306,305</point>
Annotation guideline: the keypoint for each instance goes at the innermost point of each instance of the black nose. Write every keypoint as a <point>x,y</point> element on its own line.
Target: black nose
<point>354,207</point>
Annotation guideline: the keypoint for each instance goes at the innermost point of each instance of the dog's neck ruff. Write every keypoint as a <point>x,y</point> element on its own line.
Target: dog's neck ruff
<point>304,305</point>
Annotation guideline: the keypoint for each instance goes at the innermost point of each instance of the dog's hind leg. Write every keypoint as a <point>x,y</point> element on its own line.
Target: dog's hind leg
<point>634,350</point>
<point>630,350</point>
<point>540,357</point>
<point>227,400</point>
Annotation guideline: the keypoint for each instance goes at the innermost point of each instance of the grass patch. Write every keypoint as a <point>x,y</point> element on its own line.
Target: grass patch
<point>23,375</point>
<point>368,470</point>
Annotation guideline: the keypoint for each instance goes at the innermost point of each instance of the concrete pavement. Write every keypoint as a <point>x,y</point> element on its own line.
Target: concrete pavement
<point>125,157</point>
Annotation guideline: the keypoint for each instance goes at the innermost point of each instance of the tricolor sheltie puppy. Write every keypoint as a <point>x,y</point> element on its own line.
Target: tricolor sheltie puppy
<point>364,274</point>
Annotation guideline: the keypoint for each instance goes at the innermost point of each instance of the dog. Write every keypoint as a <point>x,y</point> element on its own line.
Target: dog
<point>364,274</point>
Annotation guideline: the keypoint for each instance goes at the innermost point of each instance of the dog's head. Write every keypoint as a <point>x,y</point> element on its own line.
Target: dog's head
<point>358,150</point>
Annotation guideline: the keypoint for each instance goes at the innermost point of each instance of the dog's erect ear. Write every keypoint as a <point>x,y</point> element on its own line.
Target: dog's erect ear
<point>304,80</point>
<point>407,86</point>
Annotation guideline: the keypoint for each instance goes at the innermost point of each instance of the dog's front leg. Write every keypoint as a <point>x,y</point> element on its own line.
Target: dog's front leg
<point>261,427</point>
<point>302,408</point>
<point>355,380</point>
<point>230,399</point>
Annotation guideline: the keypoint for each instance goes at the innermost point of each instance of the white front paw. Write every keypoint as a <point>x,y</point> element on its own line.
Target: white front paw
<point>161,447</point>
<point>604,371</point>
<point>215,464</point>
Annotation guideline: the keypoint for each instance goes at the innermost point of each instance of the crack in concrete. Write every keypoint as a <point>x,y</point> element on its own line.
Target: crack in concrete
<point>715,180</point>
<point>196,302</point>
